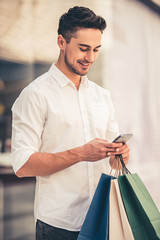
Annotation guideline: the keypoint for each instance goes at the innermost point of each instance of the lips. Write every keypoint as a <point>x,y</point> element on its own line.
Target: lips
<point>85,65</point>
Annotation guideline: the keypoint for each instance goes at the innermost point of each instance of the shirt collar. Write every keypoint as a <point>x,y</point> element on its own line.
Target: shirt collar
<point>62,79</point>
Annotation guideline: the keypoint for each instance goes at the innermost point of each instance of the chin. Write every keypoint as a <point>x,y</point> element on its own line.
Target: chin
<point>84,72</point>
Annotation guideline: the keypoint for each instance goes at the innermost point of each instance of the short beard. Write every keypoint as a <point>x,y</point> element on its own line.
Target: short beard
<point>72,68</point>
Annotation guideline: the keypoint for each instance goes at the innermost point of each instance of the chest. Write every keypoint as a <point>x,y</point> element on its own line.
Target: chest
<point>71,107</point>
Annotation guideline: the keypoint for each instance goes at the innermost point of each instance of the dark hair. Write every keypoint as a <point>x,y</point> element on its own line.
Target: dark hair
<point>79,17</point>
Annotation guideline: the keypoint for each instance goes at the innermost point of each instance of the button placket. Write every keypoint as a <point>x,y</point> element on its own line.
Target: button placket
<point>87,136</point>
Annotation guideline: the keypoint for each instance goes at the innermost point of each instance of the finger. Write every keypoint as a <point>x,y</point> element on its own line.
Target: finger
<point>112,150</point>
<point>113,145</point>
<point>124,150</point>
<point>111,153</point>
<point>125,157</point>
<point>125,147</point>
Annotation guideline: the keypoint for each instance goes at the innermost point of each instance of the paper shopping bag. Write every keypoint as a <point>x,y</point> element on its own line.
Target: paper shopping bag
<point>95,225</point>
<point>143,215</point>
<point>119,228</point>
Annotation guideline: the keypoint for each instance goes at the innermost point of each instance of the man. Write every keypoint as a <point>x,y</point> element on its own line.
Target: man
<point>63,126</point>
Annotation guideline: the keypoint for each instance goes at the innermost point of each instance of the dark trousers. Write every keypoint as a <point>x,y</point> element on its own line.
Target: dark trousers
<point>47,232</point>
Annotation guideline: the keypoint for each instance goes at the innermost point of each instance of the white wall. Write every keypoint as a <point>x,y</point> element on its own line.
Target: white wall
<point>131,72</point>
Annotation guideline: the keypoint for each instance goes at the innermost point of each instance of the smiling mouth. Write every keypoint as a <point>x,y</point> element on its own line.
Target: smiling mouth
<point>84,65</point>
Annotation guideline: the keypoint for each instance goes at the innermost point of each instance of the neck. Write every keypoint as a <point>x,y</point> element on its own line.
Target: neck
<point>75,78</point>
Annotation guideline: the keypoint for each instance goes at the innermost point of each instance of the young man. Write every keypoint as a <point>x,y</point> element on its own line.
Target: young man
<point>63,126</point>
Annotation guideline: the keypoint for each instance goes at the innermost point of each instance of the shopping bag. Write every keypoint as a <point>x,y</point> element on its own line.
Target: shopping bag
<point>143,215</point>
<point>95,226</point>
<point>119,228</point>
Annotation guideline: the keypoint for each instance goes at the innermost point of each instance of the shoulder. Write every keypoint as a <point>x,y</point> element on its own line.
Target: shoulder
<point>34,92</point>
<point>38,86</point>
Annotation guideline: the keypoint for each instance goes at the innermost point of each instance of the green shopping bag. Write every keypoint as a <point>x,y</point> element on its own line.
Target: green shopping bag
<point>142,213</point>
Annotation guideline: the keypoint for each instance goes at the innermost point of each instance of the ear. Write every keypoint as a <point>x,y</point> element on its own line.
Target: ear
<point>61,42</point>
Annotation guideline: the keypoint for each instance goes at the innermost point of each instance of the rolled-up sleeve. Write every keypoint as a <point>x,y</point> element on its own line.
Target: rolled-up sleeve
<point>28,119</point>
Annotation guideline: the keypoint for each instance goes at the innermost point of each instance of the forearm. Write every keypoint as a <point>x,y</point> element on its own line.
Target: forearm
<point>41,164</point>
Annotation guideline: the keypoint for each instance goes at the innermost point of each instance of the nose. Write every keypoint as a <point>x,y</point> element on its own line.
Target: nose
<point>90,57</point>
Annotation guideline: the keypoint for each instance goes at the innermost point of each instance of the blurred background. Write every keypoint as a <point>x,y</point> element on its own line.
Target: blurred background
<point>128,65</point>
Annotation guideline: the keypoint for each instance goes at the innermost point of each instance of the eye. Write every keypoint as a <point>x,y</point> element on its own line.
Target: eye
<point>96,50</point>
<point>83,49</point>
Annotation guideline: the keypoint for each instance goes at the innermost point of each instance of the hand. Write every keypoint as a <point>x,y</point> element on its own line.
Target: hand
<point>98,149</point>
<point>124,151</point>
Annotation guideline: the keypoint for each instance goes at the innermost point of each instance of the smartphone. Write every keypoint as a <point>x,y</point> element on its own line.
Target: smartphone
<point>123,138</point>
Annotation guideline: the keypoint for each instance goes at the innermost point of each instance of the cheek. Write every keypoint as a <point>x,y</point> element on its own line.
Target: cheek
<point>79,55</point>
<point>72,56</point>
<point>95,55</point>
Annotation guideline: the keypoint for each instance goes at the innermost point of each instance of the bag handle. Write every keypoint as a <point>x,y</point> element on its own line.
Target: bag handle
<point>122,169</point>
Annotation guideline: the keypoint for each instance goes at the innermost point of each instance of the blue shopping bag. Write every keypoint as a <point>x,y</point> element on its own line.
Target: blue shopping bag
<point>96,223</point>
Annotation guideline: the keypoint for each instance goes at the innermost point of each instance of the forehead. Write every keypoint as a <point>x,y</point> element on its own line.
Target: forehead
<point>87,36</point>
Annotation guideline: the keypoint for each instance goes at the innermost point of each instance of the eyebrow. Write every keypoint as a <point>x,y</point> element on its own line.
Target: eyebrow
<point>85,45</point>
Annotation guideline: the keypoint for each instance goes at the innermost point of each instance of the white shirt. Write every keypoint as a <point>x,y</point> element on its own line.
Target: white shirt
<point>51,115</point>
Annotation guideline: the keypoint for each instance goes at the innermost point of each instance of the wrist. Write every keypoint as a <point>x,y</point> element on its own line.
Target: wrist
<point>76,154</point>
